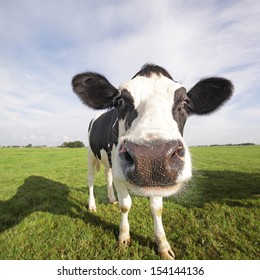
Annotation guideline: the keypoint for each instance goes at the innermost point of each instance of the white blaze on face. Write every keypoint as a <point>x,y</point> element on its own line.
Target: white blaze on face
<point>154,100</point>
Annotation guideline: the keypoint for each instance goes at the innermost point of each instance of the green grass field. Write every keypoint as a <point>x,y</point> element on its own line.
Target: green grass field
<point>43,208</point>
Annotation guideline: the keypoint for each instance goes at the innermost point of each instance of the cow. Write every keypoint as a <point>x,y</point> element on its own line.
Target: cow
<point>141,135</point>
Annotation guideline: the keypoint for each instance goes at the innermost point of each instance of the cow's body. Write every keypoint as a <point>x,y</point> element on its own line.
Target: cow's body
<point>144,133</point>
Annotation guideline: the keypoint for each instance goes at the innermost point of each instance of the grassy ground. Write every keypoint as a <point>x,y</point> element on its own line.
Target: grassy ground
<point>43,208</point>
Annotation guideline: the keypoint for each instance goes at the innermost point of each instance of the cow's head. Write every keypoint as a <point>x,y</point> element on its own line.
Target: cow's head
<point>151,157</point>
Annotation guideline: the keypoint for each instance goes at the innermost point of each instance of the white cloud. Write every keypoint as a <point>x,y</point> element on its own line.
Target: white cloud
<point>44,44</point>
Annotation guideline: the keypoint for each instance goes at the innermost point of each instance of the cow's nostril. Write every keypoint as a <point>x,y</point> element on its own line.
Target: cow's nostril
<point>128,158</point>
<point>125,155</point>
<point>181,152</point>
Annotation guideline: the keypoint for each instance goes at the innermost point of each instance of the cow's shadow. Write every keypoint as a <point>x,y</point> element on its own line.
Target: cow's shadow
<point>42,194</point>
<point>36,194</point>
<point>225,187</point>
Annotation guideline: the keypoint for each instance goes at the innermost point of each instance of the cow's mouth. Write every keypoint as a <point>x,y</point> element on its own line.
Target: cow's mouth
<point>155,190</point>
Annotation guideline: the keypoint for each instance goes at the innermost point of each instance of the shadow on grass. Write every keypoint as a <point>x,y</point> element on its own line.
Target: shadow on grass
<point>41,194</point>
<point>36,194</point>
<point>229,187</point>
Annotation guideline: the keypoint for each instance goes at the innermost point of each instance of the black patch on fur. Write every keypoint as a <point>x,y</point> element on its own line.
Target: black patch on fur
<point>94,90</point>
<point>179,111</point>
<point>126,108</point>
<point>131,116</point>
<point>104,134</point>
<point>148,69</point>
<point>208,95</point>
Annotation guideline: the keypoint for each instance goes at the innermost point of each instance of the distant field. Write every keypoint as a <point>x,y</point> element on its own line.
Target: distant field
<point>43,208</point>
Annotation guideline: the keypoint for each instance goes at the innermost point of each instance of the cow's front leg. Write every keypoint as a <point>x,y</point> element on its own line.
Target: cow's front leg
<point>92,163</point>
<point>110,190</point>
<point>164,247</point>
<point>125,203</point>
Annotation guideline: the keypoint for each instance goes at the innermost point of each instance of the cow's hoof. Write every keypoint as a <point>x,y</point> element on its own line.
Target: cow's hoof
<point>124,241</point>
<point>164,249</point>
<point>167,254</point>
<point>92,209</point>
<point>113,201</point>
<point>92,205</point>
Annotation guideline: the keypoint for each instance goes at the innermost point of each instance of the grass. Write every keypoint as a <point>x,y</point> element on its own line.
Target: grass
<point>43,208</point>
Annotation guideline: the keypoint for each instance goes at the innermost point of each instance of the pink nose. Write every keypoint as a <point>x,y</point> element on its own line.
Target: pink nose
<point>153,163</point>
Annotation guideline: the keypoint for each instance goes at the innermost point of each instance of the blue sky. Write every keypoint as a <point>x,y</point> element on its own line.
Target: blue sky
<point>45,43</point>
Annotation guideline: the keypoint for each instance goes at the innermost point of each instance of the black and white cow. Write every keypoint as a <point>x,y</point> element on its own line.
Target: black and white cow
<point>141,136</point>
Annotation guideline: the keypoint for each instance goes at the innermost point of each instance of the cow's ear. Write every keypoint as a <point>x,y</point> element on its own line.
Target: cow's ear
<point>94,90</point>
<point>209,94</point>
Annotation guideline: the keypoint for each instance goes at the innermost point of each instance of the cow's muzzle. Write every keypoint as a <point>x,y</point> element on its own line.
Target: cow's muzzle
<point>152,163</point>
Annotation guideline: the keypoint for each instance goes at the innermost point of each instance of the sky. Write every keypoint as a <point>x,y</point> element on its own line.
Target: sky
<point>45,43</point>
